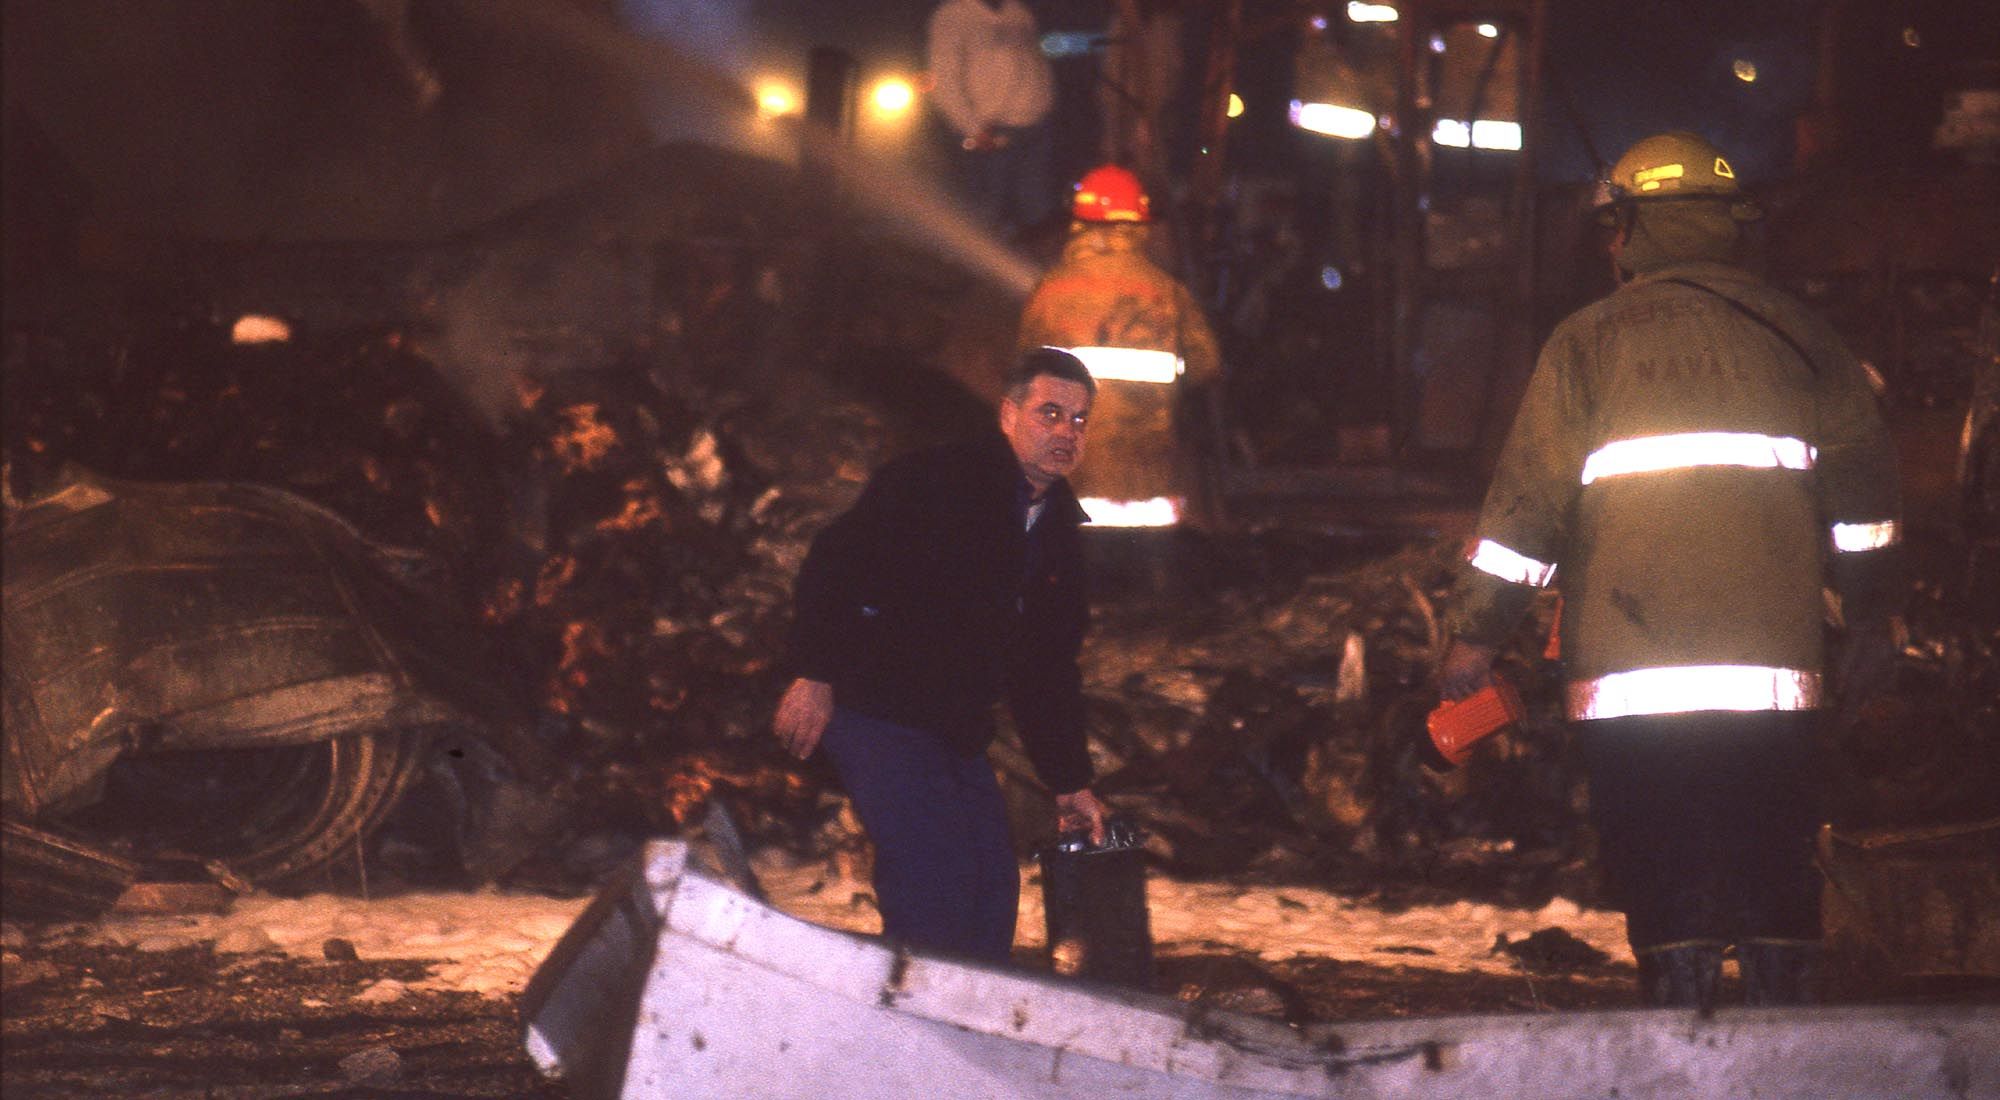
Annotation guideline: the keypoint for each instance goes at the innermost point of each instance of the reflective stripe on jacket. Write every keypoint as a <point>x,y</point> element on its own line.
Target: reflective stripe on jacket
<point>1683,472</point>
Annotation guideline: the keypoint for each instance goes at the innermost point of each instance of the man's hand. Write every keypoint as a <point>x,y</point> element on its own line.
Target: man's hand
<point>1080,811</point>
<point>985,141</point>
<point>1466,668</point>
<point>802,716</point>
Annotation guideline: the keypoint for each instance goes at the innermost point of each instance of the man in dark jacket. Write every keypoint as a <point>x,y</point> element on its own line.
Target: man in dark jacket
<point>956,579</point>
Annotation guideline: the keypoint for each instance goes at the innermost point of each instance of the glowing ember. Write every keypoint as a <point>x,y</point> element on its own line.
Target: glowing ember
<point>581,643</point>
<point>505,602</point>
<point>687,790</point>
<point>556,573</point>
<point>586,440</point>
<point>642,509</point>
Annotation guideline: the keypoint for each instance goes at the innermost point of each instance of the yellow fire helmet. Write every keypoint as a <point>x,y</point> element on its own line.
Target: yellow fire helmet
<point>1676,165</point>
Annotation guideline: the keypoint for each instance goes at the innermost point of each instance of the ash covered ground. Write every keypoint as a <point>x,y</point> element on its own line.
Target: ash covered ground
<point>182,1007</point>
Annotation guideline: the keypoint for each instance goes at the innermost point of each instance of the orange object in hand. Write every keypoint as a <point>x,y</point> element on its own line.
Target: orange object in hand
<point>1457,726</point>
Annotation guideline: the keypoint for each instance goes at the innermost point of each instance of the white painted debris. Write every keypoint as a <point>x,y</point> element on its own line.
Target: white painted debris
<point>672,983</point>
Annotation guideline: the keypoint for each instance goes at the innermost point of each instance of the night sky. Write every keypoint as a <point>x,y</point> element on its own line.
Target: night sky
<point>1630,68</point>
<point>291,120</point>
<point>1634,69</point>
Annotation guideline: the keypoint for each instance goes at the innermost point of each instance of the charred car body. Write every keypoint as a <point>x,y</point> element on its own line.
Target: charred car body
<point>223,676</point>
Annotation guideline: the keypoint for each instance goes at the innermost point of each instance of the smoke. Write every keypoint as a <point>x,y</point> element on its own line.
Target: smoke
<point>382,120</point>
<point>534,307</point>
<point>716,31</point>
<point>548,299</point>
<point>884,188</point>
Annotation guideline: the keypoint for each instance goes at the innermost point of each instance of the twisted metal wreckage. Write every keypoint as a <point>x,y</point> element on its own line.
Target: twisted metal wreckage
<point>224,681</point>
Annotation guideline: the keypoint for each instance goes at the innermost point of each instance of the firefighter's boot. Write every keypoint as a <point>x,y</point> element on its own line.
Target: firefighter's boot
<point>1682,976</point>
<point>1779,972</point>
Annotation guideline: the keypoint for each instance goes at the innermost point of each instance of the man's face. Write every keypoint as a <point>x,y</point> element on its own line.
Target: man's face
<point>1046,428</point>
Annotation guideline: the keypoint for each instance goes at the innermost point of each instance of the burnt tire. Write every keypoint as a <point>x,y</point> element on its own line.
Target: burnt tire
<point>361,778</point>
<point>274,816</point>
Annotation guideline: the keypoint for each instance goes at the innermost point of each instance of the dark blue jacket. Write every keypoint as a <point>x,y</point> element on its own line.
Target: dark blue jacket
<point>919,606</point>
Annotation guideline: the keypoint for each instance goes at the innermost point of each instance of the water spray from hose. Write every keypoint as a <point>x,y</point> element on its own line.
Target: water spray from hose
<point>885,187</point>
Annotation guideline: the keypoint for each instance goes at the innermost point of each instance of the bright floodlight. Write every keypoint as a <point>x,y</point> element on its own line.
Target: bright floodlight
<point>892,96</point>
<point>1370,13</point>
<point>1332,120</point>
<point>775,100</point>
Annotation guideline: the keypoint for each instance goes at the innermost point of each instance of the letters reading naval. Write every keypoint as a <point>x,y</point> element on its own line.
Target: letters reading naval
<point>1705,366</point>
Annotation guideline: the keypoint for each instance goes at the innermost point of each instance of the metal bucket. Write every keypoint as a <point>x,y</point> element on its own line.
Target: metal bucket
<point>1094,901</point>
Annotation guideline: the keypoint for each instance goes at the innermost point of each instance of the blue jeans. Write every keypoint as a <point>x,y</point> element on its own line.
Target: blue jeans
<point>945,875</point>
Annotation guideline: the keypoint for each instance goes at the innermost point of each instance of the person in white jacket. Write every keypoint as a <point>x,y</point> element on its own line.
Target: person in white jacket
<point>993,89</point>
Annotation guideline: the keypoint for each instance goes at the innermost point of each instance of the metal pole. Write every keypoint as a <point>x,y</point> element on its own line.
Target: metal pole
<point>1408,180</point>
<point>1206,186</point>
<point>829,117</point>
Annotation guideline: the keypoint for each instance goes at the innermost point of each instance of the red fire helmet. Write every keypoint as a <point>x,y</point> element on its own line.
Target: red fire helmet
<point>1111,194</point>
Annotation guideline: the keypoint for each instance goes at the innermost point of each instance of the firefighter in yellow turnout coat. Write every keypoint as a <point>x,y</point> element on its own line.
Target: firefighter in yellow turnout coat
<point>1146,343</point>
<point>1696,457</point>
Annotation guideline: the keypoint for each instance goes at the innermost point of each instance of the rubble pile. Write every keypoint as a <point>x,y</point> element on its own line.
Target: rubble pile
<point>654,608</point>
<point>1277,728</point>
<point>356,421</point>
<point>1926,750</point>
<point>1919,328</point>
<point>628,536</point>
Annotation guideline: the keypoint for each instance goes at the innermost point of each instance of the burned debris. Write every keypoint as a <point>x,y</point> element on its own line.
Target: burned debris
<point>617,545</point>
<point>220,675</point>
<point>607,565</point>
<point>609,510</point>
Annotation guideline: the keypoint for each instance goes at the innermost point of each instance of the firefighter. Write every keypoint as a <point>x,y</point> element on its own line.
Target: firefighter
<point>1146,343</point>
<point>1696,457</point>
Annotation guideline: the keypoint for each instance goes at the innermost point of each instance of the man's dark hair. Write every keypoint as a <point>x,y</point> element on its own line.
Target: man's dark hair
<point>1054,362</point>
